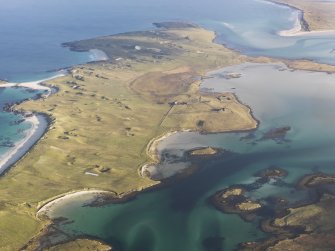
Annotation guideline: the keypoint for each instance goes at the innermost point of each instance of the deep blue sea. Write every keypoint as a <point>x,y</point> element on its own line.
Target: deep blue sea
<point>32,30</point>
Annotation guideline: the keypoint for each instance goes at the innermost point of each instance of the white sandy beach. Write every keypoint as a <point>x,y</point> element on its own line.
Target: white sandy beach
<point>47,208</point>
<point>36,85</point>
<point>297,31</point>
<point>33,134</point>
<point>7,159</point>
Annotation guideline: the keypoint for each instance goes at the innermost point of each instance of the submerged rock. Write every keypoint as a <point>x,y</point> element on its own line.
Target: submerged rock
<point>276,134</point>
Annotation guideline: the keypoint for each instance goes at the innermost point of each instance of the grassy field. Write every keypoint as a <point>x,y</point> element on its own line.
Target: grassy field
<point>105,114</point>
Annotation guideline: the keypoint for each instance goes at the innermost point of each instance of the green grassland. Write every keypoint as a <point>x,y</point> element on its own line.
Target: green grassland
<point>106,113</point>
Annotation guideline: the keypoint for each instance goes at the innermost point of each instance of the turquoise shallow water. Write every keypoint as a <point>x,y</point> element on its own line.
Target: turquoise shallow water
<point>12,126</point>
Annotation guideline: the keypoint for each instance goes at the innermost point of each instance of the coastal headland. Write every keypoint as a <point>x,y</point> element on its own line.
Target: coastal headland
<point>105,114</point>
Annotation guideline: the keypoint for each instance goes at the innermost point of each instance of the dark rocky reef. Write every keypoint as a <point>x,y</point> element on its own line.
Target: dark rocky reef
<point>277,134</point>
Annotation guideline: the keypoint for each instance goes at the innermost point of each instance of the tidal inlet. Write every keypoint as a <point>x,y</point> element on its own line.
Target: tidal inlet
<point>167,125</point>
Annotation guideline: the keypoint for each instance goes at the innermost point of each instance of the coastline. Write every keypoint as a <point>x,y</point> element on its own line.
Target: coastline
<point>152,151</point>
<point>301,26</point>
<point>48,205</point>
<point>39,125</point>
<point>296,29</point>
<point>297,33</point>
<point>35,85</point>
<point>304,25</point>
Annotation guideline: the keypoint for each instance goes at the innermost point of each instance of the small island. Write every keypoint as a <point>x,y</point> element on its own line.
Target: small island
<point>204,151</point>
<point>316,180</point>
<point>234,200</point>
